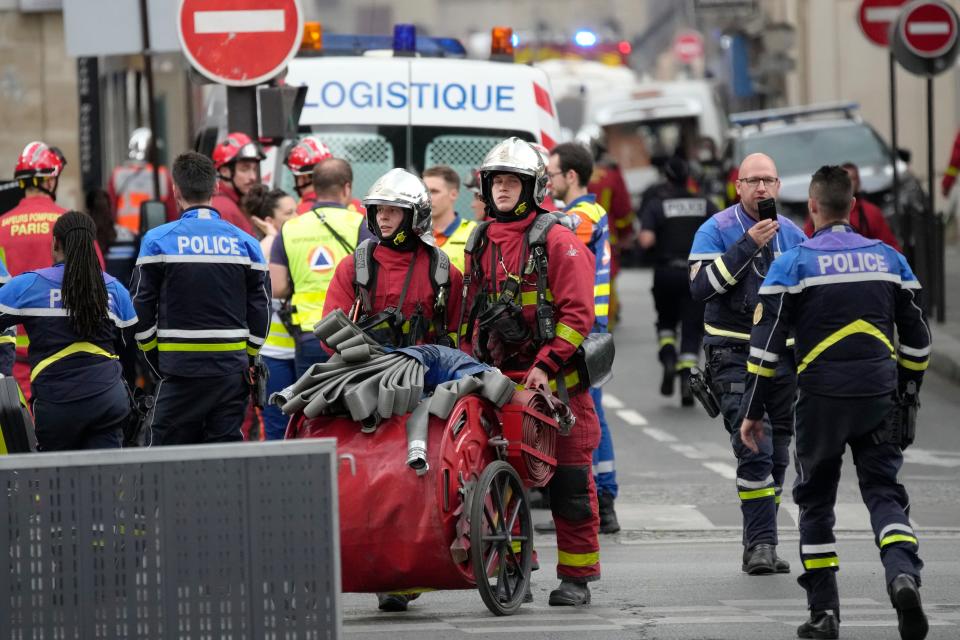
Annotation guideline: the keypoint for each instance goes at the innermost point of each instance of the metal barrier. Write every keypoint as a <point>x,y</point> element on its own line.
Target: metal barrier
<point>226,542</point>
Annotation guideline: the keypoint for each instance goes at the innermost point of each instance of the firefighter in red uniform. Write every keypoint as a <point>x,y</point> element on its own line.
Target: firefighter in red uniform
<point>26,231</point>
<point>867,219</point>
<point>950,173</point>
<point>403,297</point>
<point>301,159</point>
<point>607,184</point>
<point>506,326</point>
<point>237,160</point>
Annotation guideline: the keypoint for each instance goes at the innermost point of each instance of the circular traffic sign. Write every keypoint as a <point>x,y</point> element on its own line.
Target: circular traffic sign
<point>928,28</point>
<point>239,43</point>
<point>688,46</point>
<point>875,18</point>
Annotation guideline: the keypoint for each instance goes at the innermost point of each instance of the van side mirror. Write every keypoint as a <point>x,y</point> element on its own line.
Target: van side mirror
<point>904,154</point>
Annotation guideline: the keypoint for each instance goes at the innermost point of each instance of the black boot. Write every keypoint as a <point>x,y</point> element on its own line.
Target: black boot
<point>905,597</point>
<point>760,560</point>
<point>395,602</point>
<point>779,564</point>
<point>686,395</point>
<point>570,594</point>
<point>668,358</point>
<point>608,516</point>
<point>822,625</point>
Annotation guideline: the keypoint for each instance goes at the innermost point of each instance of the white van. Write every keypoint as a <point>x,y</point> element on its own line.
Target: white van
<point>380,111</point>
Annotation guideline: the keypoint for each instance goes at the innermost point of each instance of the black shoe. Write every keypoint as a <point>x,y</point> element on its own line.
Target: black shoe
<point>608,516</point>
<point>686,395</point>
<point>905,597</point>
<point>545,527</point>
<point>392,602</point>
<point>822,625</point>
<point>570,594</point>
<point>668,357</point>
<point>780,565</point>
<point>760,561</point>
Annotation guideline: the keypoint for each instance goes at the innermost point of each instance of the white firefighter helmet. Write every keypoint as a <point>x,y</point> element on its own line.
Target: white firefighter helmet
<point>517,156</point>
<point>139,144</point>
<point>400,188</point>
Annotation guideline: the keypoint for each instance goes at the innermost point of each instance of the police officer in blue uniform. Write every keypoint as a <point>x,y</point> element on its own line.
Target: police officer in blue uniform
<point>202,293</point>
<point>75,316</point>
<point>669,217</point>
<point>848,298</point>
<point>729,258</point>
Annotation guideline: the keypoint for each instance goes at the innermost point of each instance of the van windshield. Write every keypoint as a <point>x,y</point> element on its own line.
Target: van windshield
<point>374,150</point>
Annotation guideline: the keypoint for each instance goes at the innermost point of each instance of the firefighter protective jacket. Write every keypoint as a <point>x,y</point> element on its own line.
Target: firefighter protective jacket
<point>202,293</point>
<point>726,269</point>
<point>390,273</point>
<point>844,295</point>
<point>570,276</point>
<point>227,203</point>
<point>64,366</point>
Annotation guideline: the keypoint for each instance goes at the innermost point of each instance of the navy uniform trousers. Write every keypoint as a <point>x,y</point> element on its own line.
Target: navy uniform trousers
<point>825,425</point>
<point>759,475</point>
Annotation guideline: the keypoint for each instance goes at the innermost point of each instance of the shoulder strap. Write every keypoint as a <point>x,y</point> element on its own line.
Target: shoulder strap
<point>364,273</point>
<point>439,268</point>
<point>477,238</point>
<point>440,278</point>
<point>537,234</point>
<point>346,246</point>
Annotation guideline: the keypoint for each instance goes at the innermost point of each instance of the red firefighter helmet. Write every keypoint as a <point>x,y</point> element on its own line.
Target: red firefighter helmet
<point>236,146</point>
<point>37,160</point>
<point>305,155</point>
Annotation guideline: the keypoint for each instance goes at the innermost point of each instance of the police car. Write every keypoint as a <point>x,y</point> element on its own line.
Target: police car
<point>410,101</point>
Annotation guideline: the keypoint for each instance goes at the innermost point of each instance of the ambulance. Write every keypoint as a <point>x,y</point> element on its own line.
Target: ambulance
<point>415,102</point>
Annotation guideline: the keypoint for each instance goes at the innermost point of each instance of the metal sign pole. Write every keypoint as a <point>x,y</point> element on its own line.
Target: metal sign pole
<point>151,111</point>
<point>894,152</point>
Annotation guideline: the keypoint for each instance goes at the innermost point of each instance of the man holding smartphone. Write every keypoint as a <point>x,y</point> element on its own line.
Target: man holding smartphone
<point>728,261</point>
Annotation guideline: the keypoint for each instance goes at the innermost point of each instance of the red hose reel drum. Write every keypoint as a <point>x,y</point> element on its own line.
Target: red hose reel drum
<point>532,436</point>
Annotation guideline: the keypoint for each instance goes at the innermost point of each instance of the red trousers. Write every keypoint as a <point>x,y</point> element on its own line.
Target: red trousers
<point>573,495</point>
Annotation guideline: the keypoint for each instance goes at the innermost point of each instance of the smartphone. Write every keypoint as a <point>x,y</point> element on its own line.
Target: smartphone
<point>767,209</point>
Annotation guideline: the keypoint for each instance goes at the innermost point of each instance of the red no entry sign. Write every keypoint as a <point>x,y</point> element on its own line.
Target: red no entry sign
<point>239,42</point>
<point>928,29</point>
<point>688,46</point>
<point>875,18</point>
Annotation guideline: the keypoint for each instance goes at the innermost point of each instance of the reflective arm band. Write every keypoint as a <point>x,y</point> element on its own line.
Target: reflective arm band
<point>913,366</point>
<point>252,351</point>
<point>951,171</point>
<point>8,340</point>
<point>148,346</point>
<point>569,334</point>
<point>722,268</point>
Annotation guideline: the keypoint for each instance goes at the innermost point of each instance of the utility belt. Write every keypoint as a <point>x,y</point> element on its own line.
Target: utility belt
<point>901,428</point>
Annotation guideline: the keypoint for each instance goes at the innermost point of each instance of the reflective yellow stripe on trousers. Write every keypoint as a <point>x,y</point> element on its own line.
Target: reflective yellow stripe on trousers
<point>578,559</point>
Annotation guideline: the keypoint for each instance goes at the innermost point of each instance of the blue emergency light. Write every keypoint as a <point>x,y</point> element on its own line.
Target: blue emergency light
<point>404,40</point>
<point>585,38</point>
<point>342,44</point>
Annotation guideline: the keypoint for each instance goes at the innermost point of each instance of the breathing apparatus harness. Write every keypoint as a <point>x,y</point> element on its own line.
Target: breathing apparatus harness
<point>387,326</point>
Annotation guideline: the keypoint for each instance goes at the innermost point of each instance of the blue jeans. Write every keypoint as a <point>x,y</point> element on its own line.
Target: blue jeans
<point>604,468</point>
<point>308,352</point>
<point>282,374</point>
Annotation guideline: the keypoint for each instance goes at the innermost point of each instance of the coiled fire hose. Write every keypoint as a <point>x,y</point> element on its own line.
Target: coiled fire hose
<point>538,434</point>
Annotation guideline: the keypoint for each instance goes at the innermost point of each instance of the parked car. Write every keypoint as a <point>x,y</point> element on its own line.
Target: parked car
<point>802,139</point>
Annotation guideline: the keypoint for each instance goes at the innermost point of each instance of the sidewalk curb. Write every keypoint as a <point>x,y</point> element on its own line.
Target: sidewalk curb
<point>945,356</point>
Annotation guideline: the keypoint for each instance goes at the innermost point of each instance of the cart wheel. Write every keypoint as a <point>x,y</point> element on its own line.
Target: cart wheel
<point>501,538</point>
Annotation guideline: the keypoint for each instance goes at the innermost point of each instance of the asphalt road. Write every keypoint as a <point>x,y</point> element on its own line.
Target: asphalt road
<point>674,570</point>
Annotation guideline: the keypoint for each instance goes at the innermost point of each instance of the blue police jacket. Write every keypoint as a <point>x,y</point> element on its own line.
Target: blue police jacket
<point>844,295</point>
<point>8,337</point>
<point>63,365</point>
<point>202,293</point>
<point>726,269</point>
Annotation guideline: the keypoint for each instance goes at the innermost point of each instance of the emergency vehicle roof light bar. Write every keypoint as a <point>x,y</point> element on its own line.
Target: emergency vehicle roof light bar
<point>501,44</point>
<point>789,114</point>
<point>404,40</point>
<point>341,44</point>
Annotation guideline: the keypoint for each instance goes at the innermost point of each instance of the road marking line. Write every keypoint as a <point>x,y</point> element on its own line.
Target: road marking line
<point>263,21</point>
<point>400,626</point>
<point>724,469</point>
<point>544,629</point>
<point>521,616</point>
<point>779,602</point>
<point>689,451</point>
<point>610,401</point>
<point>659,434</point>
<point>631,417</point>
